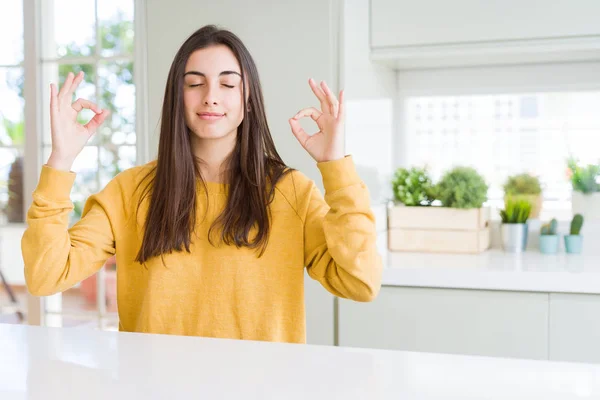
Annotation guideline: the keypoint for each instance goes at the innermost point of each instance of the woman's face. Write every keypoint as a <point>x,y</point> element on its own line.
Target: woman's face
<point>212,93</point>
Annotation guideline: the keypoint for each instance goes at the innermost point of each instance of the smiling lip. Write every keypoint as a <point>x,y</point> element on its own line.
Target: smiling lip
<point>209,116</point>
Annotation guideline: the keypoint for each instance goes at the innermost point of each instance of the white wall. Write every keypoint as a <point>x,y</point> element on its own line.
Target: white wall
<point>370,92</point>
<point>290,42</point>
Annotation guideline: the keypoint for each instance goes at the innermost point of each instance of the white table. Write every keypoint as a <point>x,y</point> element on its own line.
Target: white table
<point>77,363</point>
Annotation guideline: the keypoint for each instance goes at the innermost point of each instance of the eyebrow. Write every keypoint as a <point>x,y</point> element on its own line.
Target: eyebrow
<point>221,74</point>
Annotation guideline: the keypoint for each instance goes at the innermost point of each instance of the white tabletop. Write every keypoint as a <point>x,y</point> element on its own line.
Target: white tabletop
<point>80,363</point>
<point>496,270</point>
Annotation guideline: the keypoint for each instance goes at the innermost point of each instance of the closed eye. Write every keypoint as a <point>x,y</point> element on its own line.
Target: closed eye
<point>197,84</point>
<point>229,86</point>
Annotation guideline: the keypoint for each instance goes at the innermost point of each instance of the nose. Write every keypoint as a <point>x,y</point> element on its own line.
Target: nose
<point>210,95</point>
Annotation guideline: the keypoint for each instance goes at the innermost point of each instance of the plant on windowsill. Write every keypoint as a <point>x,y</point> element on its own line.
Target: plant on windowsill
<point>549,237</point>
<point>526,187</point>
<point>585,181</point>
<point>574,240</point>
<point>459,225</point>
<point>412,187</point>
<point>514,224</point>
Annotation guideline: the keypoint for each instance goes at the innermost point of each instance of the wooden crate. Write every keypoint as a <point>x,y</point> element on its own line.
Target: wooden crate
<point>438,229</point>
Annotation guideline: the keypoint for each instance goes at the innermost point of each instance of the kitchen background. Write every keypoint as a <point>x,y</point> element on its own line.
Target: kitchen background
<point>475,125</point>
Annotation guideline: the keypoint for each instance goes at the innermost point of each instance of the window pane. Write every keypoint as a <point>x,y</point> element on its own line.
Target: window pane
<point>11,107</point>
<point>70,28</point>
<point>117,93</point>
<point>11,32</point>
<point>502,135</point>
<point>115,19</point>
<point>115,159</point>
<point>55,73</point>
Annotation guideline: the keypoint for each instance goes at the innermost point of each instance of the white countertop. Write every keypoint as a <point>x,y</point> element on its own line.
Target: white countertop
<point>80,363</point>
<point>495,270</point>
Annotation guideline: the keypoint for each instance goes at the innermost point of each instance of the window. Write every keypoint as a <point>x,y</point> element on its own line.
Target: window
<point>96,37</point>
<point>506,134</point>
<point>12,134</point>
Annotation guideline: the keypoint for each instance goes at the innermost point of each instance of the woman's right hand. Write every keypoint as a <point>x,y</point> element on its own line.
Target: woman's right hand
<point>68,136</point>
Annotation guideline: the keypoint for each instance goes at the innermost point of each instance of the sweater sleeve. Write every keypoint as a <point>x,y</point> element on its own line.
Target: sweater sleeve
<point>340,236</point>
<point>57,257</point>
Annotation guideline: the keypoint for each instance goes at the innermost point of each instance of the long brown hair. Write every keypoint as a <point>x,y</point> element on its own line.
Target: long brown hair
<point>254,167</point>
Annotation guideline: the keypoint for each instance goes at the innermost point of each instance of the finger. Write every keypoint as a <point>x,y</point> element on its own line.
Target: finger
<point>78,79</point>
<point>66,86</point>
<point>53,98</point>
<point>320,95</point>
<point>80,104</point>
<point>341,107</point>
<point>308,112</point>
<point>95,122</point>
<point>299,132</point>
<point>333,102</point>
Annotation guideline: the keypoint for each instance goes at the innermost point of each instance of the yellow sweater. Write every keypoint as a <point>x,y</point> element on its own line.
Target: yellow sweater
<point>217,291</point>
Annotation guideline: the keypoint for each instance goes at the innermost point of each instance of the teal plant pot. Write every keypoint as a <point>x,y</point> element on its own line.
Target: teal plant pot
<point>549,244</point>
<point>573,244</point>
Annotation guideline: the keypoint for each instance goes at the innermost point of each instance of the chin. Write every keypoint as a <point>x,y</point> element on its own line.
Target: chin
<point>212,133</point>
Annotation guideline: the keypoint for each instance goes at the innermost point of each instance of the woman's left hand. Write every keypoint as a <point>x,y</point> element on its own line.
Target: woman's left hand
<point>328,143</point>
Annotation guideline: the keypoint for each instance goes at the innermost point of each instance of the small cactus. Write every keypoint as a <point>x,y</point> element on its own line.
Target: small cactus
<point>576,224</point>
<point>550,228</point>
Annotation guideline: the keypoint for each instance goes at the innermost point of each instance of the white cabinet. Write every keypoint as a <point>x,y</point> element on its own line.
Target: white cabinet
<point>575,327</point>
<point>428,22</point>
<point>487,323</point>
<point>435,34</point>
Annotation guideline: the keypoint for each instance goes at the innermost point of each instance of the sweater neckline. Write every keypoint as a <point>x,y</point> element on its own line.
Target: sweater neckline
<point>213,187</point>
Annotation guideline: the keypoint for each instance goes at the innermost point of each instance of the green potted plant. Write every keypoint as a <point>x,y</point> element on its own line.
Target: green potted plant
<point>412,186</point>
<point>462,187</point>
<point>549,237</point>
<point>514,224</point>
<point>585,181</point>
<point>574,240</point>
<point>459,225</point>
<point>526,187</point>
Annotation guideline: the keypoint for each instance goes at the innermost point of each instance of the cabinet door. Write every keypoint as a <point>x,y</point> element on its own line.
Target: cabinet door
<point>575,327</point>
<point>487,323</point>
<point>319,313</point>
<point>433,22</point>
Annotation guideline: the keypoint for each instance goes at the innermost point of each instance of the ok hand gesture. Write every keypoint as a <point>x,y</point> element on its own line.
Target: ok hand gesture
<point>68,135</point>
<point>328,143</point>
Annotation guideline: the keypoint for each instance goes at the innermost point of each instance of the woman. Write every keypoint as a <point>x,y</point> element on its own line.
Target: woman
<point>212,238</point>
